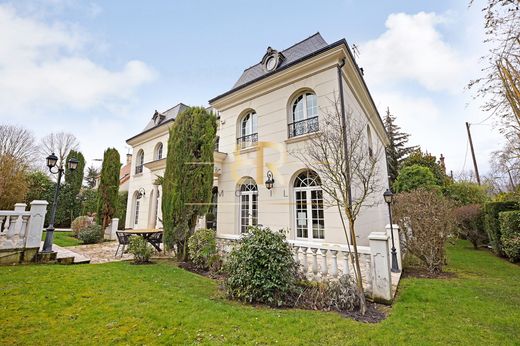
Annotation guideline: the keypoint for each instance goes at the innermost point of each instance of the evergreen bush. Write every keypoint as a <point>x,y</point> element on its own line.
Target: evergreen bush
<point>91,234</point>
<point>413,177</point>
<point>202,247</point>
<point>141,250</point>
<point>492,222</point>
<point>510,234</point>
<point>262,269</point>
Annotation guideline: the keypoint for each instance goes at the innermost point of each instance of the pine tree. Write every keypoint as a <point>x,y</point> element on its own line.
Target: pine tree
<point>188,178</point>
<point>397,150</point>
<point>108,197</point>
<point>91,178</point>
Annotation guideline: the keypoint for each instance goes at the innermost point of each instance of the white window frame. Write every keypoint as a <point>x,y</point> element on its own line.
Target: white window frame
<point>305,108</point>
<point>308,190</point>
<point>252,217</point>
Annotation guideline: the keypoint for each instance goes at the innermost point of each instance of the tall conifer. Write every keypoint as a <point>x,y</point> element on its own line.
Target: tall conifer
<point>108,190</point>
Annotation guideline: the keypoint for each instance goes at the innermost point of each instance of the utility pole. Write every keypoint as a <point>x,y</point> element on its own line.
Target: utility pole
<point>473,153</point>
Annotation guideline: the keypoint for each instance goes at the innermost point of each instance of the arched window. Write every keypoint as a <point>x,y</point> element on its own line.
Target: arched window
<point>369,139</point>
<point>248,204</point>
<point>159,151</point>
<point>308,197</point>
<point>304,115</point>
<point>247,134</point>
<point>139,163</point>
<point>137,204</point>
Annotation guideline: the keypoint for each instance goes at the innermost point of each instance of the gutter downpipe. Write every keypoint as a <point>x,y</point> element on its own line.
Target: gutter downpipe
<point>344,126</point>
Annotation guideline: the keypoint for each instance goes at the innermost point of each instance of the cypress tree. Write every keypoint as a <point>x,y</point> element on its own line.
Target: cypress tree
<point>74,182</point>
<point>397,150</point>
<point>188,178</point>
<point>108,191</point>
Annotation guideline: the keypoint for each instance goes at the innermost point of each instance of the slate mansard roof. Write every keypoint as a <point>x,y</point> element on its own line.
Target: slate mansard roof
<point>291,54</point>
<point>159,119</point>
<point>298,52</point>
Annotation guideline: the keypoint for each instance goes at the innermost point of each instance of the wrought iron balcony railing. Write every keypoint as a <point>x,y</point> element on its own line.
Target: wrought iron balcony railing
<point>302,127</point>
<point>139,169</point>
<point>247,141</point>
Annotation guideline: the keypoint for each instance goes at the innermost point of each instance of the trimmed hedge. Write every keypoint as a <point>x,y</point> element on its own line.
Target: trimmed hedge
<point>510,229</point>
<point>492,223</point>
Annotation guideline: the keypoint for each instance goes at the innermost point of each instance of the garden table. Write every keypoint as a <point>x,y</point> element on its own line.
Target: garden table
<point>148,234</point>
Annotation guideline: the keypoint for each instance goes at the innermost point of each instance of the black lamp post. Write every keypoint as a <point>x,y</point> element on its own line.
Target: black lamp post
<point>72,165</point>
<point>389,196</point>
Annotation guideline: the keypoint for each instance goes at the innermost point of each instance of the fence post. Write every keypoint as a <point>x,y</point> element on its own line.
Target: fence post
<point>35,226</point>
<point>381,276</point>
<point>397,242</point>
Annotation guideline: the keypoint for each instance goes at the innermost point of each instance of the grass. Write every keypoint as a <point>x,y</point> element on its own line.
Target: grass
<point>63,239</point>
<point>121,303</point>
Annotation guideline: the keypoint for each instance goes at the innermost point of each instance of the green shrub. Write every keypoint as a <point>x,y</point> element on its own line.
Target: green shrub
<point>465,193</point>
<point>262,269</point>
<point>413,177</point>
<point>510,234</point>
<point>91,234</point>
<point>141,250</point>
<point>80,223</point>
<point>492,223</point>
<point>202,248</point>
<point>470,222</point>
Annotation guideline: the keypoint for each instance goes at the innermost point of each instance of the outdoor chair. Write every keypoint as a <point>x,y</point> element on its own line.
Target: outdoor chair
<point>156,238</point>
<point>124,240</point>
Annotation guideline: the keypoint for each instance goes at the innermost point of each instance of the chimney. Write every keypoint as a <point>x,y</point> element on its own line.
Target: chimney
<point>128,159</point>
<point>442,164</point>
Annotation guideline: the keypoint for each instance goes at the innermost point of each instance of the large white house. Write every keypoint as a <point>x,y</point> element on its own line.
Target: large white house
<point>273,108</point>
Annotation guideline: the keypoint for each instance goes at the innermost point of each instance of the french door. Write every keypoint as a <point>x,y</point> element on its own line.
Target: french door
<point>248,205</point>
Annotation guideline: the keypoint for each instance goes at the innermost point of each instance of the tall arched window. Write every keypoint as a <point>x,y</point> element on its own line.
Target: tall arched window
<point>248,135</point>
<point>248,204</point>
<point>139,163</point>
<point>304,115</point>
<point>158,151</point>
<point>308,197</point>
<point>136,207</point>
<point>370,145</point>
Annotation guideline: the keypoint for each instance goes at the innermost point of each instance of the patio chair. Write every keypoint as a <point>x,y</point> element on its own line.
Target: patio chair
<point>124,240</point>
<point>156,238</point>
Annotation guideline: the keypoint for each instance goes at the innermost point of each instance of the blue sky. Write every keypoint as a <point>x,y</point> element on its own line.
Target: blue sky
<point>100,69</point>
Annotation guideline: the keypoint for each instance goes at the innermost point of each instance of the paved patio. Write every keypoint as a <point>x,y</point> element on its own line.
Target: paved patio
<point>105,252</point>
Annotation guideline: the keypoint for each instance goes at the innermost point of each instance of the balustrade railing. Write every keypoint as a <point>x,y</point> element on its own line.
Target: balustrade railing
<point>247,141</point>
<point>302,127</point>
<point>13,229</point>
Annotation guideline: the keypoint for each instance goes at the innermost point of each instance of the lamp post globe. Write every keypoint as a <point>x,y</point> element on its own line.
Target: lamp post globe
<point>72,164</point>
<point>51,160</point>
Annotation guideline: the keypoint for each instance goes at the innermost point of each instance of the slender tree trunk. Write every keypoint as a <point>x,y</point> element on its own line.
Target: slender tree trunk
<point>359,278</point>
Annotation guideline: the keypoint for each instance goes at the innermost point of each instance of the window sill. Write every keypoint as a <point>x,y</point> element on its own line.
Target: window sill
<point>248,150</point>
<point>303,137</point>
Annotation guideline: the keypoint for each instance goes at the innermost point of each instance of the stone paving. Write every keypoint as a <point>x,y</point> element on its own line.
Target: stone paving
<point>105,252</point>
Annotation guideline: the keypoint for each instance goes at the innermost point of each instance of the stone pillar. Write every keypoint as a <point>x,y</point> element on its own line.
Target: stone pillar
<point>397,242</point>
<point>110,231</point>
<point>381,278</point>
<point>36,224</point>
<point>20,207</point>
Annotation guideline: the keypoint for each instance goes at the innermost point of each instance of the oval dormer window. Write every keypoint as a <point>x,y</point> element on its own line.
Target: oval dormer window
<point>270,64</point>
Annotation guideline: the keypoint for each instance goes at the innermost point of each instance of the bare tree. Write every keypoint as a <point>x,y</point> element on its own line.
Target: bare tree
<point>18,143</point>
<point>350,173</point>
<point>60,143</point>
<point>499,83</point>
<point>505,164</point>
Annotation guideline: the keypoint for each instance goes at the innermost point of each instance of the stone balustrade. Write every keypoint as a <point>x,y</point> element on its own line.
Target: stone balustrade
<point>21,232</point>
<point>323,261</point>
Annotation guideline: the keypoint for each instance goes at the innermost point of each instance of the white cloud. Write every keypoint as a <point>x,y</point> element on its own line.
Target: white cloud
<point>412,48</point>
<point>44,66</point>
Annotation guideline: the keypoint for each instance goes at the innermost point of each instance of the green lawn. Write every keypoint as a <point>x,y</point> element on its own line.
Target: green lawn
<point>63,239</point>
<point>162,304</point>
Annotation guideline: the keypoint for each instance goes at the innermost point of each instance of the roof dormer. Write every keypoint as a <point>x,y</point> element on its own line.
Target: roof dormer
<point>272,59</point>
<point>158,117</point>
